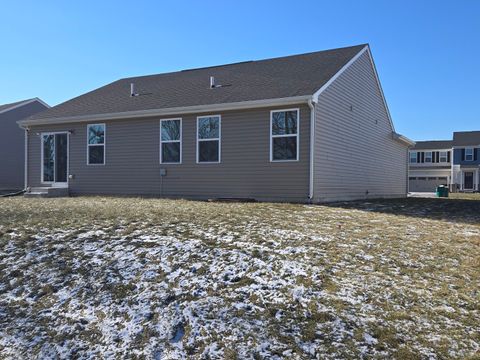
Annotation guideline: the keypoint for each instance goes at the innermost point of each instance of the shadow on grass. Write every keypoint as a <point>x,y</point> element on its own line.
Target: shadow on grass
<point>452,210</point>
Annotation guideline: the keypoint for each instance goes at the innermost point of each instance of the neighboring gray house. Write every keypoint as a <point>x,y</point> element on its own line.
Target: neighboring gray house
<point>12,141</point>
<point>455,163</point>
<point>311,127</point>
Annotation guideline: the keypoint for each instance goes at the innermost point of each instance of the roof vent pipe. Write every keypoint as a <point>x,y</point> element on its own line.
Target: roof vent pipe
<point>212,82</point>
<point>132,90</point>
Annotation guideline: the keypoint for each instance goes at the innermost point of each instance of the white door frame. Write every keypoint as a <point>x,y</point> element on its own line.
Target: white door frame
<point>473,179</point>
<point>54,183</point>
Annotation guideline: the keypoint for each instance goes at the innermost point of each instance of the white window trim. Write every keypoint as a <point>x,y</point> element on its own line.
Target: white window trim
<point>431,157</point>
<point>54,164</point>
<point>172,141</point>
<point>440,157</point>
<point>297,135</point>
<point>104,145</point>
<point>211,139</point>
<point>415,157</point>
<point>472,155</point>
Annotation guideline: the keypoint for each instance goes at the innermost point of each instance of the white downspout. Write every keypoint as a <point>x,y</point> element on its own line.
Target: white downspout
<point>26,159</point>
<point>475,187</point>
<point>452,179</point>
<point>311,105</point>
<point>461,179</point>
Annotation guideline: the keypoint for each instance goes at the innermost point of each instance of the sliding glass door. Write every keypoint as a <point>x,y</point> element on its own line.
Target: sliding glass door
<point>55,158</point>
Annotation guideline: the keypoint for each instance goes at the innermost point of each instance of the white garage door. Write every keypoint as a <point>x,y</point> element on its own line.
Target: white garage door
<point>426,184</point>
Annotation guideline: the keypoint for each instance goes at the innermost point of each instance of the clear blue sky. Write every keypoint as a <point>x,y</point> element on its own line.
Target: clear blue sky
<point>427,52</point>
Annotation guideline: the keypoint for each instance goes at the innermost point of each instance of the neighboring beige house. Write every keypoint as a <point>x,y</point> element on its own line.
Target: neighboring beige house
<point>12,142</point>
<point>430,165</point>
<point>305,128</point>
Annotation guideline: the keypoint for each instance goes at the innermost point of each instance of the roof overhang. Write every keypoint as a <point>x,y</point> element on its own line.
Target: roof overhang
<point>169,111</point>
<point>403,139</point>
<point>431,149</point>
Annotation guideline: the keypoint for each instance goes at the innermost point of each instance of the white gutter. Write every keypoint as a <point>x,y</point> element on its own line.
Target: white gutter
<point>311,105</point>
<point>403,139</point>
<point>169,111</point>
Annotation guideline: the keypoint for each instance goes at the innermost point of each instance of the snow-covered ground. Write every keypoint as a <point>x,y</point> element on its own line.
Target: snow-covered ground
<point>164,279</point>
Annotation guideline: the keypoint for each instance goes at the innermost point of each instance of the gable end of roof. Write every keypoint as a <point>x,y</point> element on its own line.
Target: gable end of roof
<point>377,79</point>
<point>9,107</point>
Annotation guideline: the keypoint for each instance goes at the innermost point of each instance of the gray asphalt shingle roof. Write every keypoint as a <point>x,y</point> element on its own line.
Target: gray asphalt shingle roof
<point>7,106</point>
<point>464,138</point>
<point>252,80</point>
<point>433,145</point>
<point>460,138</point>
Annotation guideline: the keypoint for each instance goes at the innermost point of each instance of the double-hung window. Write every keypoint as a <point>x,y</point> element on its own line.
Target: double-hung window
<point>443,156</point>
<point>209,135</point>
<point>428,156</point>
<point>171,141</point>
<point>413,157</point>
<point>284,135</point>
<point>96,144</point>
<point>469,154</point>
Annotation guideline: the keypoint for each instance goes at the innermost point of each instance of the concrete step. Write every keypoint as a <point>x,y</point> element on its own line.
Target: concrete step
<point>47,192</point>
<point>35,195</point>
<point>40,189</point>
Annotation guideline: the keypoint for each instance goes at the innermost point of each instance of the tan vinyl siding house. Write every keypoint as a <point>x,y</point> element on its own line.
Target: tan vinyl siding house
<point>260,115</point>
<point>355,155</point>
<point>132,161</point>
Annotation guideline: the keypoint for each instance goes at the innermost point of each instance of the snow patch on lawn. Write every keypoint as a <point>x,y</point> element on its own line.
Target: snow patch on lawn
<point>310,283</point>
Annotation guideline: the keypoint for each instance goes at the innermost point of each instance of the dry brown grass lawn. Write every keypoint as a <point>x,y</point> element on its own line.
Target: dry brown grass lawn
<point>465,196</point>
<point>127,277</point>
